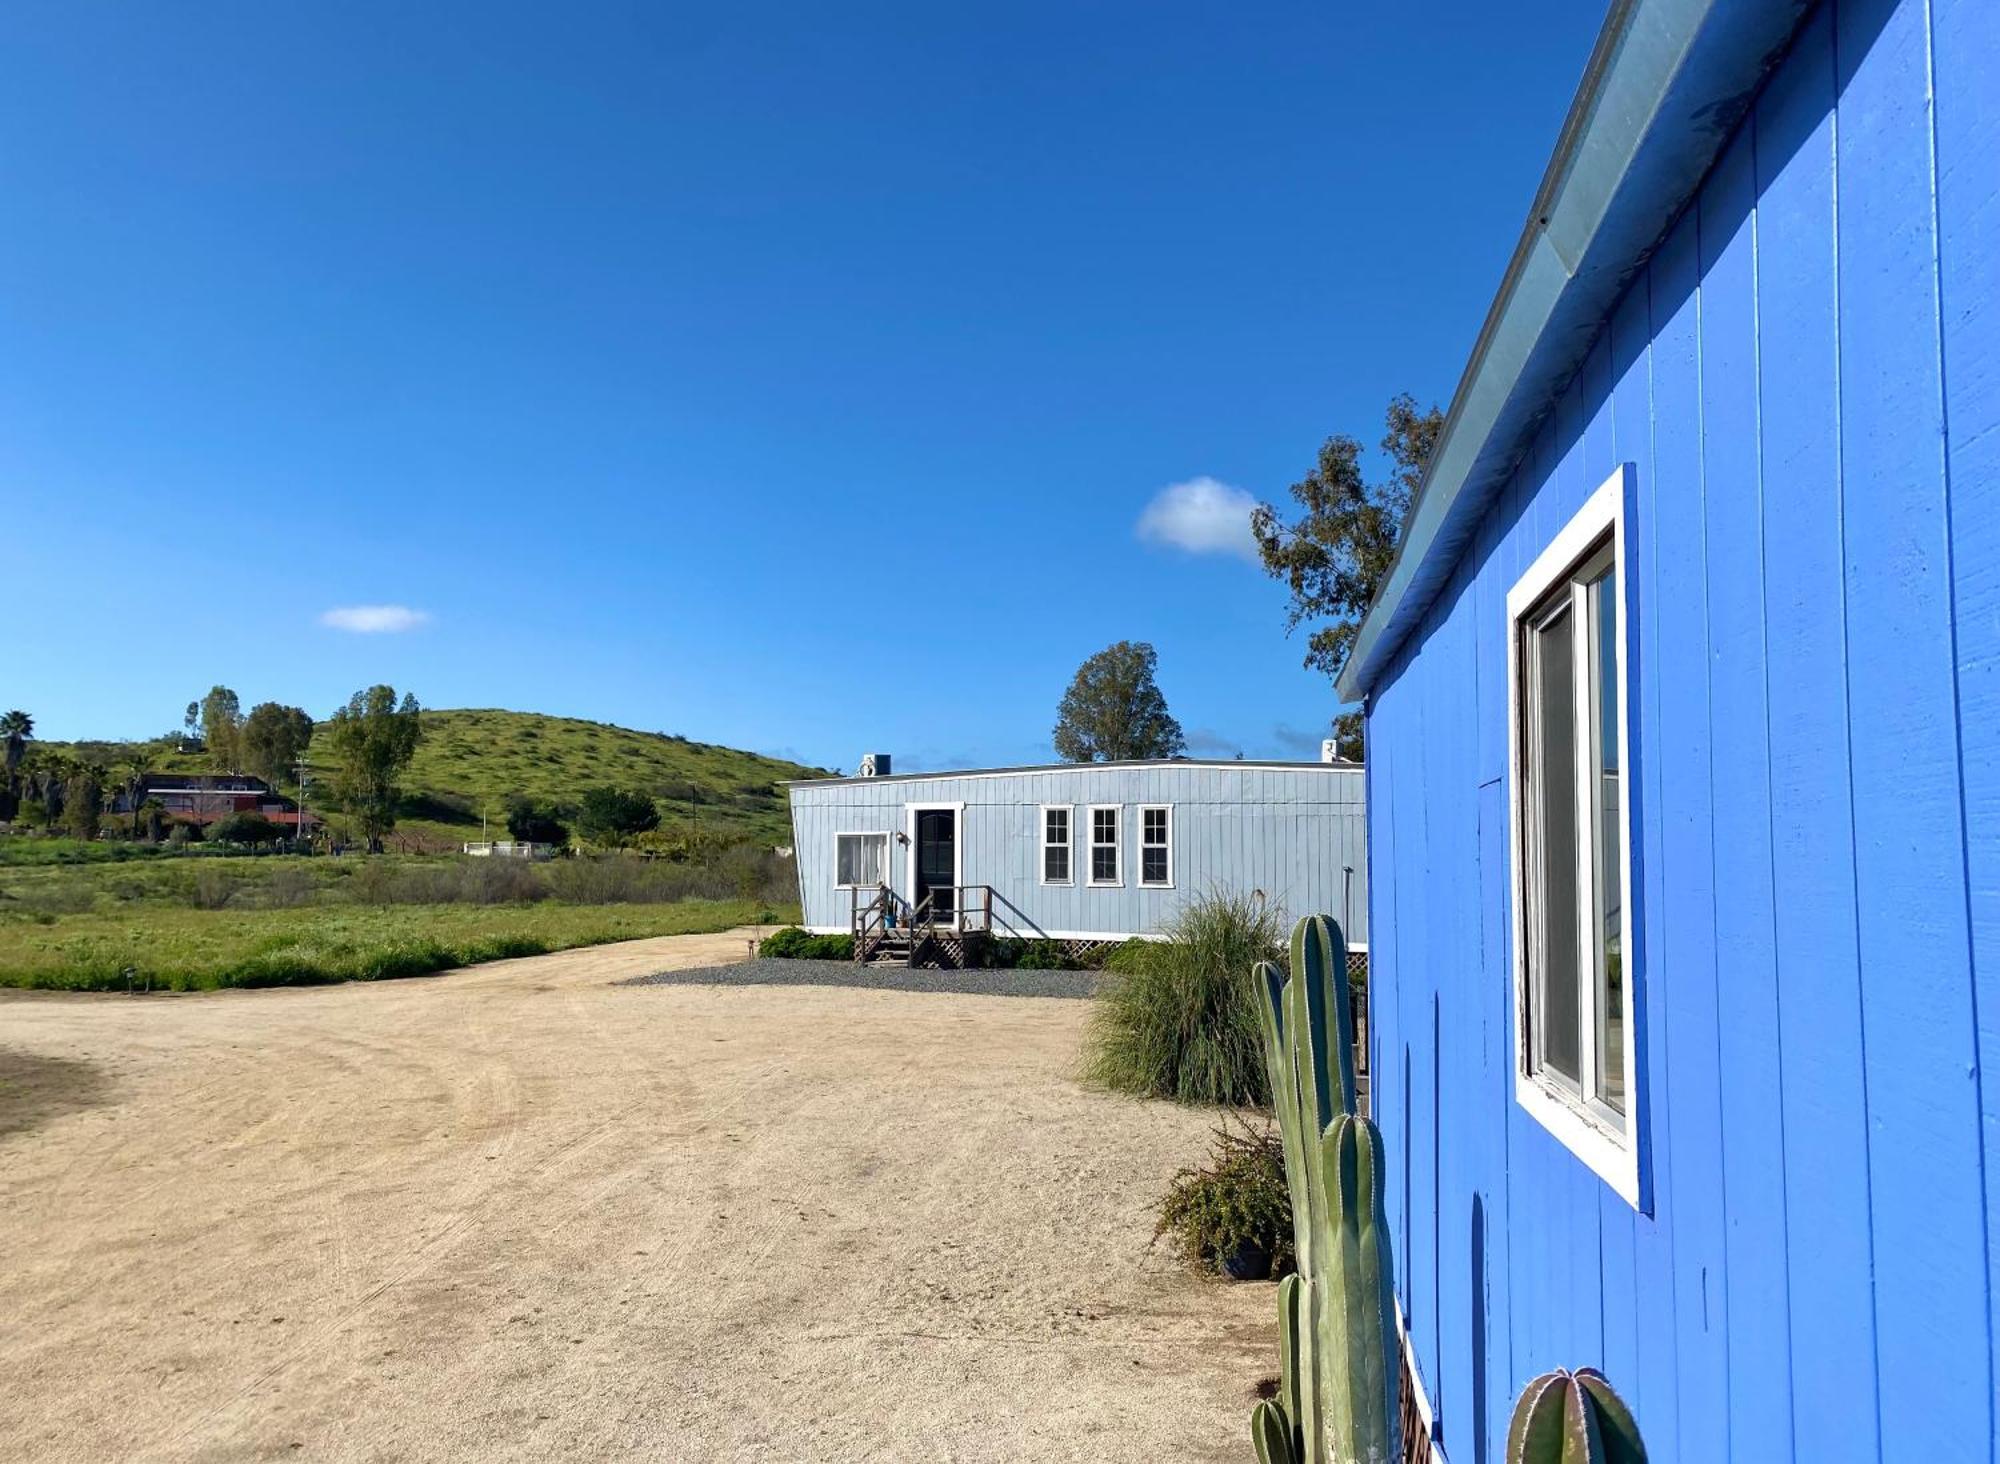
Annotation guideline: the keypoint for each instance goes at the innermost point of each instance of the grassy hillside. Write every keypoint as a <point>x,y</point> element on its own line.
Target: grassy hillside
<point>473,760</point>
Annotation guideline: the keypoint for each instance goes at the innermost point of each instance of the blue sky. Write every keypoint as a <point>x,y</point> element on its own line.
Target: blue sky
<point>796,377</point>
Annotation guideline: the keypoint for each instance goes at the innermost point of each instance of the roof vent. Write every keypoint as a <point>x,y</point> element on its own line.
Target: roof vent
<point>874,765</point>
<point>1329,751</point>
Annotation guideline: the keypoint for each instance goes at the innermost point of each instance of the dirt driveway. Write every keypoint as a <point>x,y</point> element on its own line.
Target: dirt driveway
<point>522,1212</point>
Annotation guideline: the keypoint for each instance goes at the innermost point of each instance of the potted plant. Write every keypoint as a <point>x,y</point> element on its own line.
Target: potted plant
<point>1232,1216</point>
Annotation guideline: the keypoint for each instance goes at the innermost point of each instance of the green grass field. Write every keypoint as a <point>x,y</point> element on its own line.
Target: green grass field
<point>200,950</point>
<point>192,923</point>
<point>472,761</point>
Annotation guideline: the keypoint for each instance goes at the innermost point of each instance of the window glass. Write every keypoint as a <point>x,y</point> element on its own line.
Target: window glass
<point>1155,868</point>
<point>1552,785</point>
<point>1608,881</point>
<point>860,859</point>
<point>1104,845</point>
<point>1055,845</point>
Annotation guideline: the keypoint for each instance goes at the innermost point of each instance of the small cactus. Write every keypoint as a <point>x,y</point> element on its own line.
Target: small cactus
<point>1569,1417</point>
<point>1271,1432</point>
<point>1291,1298</point>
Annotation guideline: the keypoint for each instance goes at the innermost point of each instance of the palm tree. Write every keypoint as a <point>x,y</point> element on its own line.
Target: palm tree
<point>16,727</point>
<point>129,771</point>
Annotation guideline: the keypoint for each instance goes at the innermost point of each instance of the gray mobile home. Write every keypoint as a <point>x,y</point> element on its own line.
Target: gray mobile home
<point>1081,851</point>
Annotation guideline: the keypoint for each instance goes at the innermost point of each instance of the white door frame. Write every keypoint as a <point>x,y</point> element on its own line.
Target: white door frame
<point>910,812</point>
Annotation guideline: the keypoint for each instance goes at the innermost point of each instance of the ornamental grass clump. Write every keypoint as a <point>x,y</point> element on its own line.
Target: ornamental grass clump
<point>1178,1019</point>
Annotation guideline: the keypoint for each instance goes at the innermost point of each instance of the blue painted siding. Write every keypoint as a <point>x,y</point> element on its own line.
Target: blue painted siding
<point>1806,377</point>
<point>1292,830</point>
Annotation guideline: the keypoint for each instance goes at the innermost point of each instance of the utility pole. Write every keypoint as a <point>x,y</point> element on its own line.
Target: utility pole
<point>303,780</point>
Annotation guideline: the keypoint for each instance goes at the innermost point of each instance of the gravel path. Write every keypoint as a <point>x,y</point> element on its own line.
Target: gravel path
<point>1068,984</point>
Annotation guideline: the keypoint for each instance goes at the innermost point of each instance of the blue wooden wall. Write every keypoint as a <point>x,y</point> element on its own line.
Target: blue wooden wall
<point>1293,830</point>
<point>1807,377</point>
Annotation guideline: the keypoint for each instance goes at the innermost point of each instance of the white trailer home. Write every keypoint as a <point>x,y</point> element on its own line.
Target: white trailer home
<point>1078,852</point>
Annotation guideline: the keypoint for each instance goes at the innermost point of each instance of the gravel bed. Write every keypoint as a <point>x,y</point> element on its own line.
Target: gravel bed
<point>1069,984</point>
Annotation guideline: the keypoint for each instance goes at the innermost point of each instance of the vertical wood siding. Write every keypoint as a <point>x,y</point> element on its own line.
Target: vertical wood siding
<point>1806,375</point>
<point>1292,832</point>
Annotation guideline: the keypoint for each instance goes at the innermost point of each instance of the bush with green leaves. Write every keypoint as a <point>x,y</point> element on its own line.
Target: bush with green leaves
<point>535,821</point>
<point>1239,1198</point>
<point>612,816</point>
<point>795,944</point>
<point>247,827</point>
<point>1179,1020</point>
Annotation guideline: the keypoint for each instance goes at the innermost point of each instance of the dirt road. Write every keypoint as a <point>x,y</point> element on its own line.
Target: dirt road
<point>520,1212</point>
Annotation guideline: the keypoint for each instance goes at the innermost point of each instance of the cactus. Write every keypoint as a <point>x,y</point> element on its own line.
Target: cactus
<point>1291,1293</point>
<point>1357,1321</point>
<point>1274,1424</point>
<point>1569,1417</point>
<point>1339,1391</point>
<point>1271,1432</point>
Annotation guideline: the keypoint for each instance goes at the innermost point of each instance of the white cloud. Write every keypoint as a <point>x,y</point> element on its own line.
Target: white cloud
<point>374,619</point>
<point>1202,516</point>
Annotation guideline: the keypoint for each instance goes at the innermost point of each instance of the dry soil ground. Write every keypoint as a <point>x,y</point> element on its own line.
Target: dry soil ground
<point>523,1212</point>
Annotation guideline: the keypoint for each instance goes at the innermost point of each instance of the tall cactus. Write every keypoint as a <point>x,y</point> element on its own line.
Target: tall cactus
<point>1357,1320</point>
<point>1339,1394</point>
<point>1569,1417</point>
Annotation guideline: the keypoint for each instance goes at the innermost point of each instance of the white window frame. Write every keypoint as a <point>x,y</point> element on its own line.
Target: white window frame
<point>882,834</point>
<point>1609,1146</point>
<point>1140,824</point>
<point>1116,846</point>
<point>1044,844</point>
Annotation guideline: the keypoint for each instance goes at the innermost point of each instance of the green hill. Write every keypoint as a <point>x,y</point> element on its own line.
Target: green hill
<point>471,761</point>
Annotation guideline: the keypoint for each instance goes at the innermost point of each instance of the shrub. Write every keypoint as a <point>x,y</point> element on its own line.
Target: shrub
<point>1127,957</point>
<point>248,827</point>
<point>535,822</point>
<point>611,816</point>
<point>1238,1199</point>
<point>213,888</point>
<point>794,944</point>
<point>1180,1020</point>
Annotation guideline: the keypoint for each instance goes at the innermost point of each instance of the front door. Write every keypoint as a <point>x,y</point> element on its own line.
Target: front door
<point>937,858</point>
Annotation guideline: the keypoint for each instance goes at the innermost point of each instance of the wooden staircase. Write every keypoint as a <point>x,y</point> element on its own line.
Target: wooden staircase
<point>889,931</point>
<point>895,947</point>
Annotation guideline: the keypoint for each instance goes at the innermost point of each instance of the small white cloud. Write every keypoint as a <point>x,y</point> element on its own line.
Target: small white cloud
<point>1202,516</point>
<point>374,619</point>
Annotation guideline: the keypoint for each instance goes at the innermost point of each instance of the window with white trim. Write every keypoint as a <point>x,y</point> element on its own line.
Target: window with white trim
<point>1055,844</point>
<point>1104,846</point>
<point>1571,841</point>
<point>1156,846</point>
<point>860,861</point>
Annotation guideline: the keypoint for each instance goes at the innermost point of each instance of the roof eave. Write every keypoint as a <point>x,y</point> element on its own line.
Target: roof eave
<point>1667,83</point>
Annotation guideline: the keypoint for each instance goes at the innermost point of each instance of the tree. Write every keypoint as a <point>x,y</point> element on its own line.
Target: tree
<point>221,728</point>
<point>607,816</point>
<point>1334,557</point>
<point>83,803</point>
<point>534,822</point>
<point>372,740</point>
<point>16,727</point>
<point>192,721</point>
<point>272,740</point>
<point>1113,710</point>
<point>45,774</point>
<point>128,772</point>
